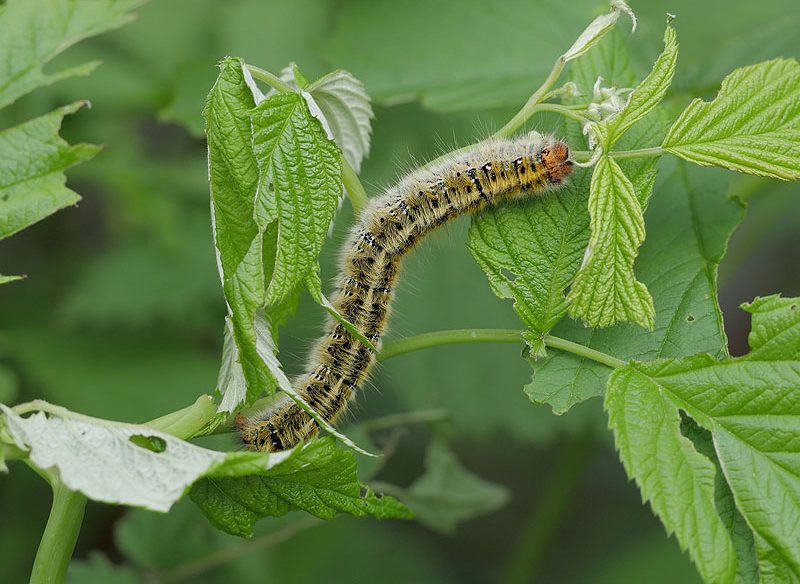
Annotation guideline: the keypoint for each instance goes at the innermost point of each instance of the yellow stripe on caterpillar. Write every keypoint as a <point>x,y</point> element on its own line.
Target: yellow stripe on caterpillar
<point>492,173</point>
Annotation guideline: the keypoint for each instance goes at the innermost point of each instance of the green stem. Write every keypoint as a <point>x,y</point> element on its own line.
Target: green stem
<point>460,336</point>
<point>560,109</point>
<point>223,556</point>
<point>529,108</point>
<point>60,535</point>
<point>585,155</point>
<point>183,424</point>
<point>545,517</point>
<point>355,190</point>
<point>583,351</point>
<point>270,79</point>
<point>639,153</point>
<point>451,337</point>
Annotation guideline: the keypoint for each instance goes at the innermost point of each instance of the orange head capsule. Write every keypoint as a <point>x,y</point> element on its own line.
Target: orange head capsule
<point>555,158</point>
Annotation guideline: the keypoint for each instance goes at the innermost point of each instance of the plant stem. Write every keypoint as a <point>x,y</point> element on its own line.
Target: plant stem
<point>583,351</point>
<point>189,421</point>
<point>565,111</point>
<point>542,523</point>
<point>60,535</point>
<point>459,336</point>
<point>529,108</point>
<point>355,190</point>
<point>225,555</point>
<point>451,337</point>
<point>584,155</point>
<point>641,152</point>
<point>404,418</point>
<point>270,79</point>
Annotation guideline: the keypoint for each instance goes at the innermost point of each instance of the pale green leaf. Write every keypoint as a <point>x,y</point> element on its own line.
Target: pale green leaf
<point>33,158</point>
<point>606,291</point>
<point>752,126</point>
<point>751,406</point>
<point>35,31</point>
<point>448,494</point>
<point>299,187</point>
<point>99,459</point>
<point>319,478</point>
<point>647,95</point>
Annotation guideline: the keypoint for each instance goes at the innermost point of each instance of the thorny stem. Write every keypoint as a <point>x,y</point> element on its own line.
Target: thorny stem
<point>459,336</point>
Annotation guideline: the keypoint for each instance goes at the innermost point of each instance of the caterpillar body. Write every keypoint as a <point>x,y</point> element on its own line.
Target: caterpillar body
<point>494,172</point>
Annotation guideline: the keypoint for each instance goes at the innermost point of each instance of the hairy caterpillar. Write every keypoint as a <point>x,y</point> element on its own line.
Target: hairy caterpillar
<point>494,172</point>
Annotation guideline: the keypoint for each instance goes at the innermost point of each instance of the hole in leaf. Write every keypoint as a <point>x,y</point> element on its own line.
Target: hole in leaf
<point>690,318</point>
<point>508,274</point>
<point>151,443</point>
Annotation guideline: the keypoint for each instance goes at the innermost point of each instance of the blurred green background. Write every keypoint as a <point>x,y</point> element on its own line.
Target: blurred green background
<point>121,313</point>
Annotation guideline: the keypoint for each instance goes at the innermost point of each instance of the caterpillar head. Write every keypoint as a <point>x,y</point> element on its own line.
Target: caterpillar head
<point>555,157</point>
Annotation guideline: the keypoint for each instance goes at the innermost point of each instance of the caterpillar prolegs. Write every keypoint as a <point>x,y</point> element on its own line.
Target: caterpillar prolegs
<point>494,172</point>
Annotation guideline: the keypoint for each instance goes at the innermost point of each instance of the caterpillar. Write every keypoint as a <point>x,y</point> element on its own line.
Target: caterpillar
<point>494,172</point>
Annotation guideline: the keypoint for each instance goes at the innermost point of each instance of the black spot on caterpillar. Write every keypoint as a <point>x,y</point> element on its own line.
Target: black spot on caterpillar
<point>494,172</point>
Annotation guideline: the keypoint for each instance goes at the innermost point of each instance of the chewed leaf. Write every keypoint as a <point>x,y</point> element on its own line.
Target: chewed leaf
<point>752,126</point>
<point>606,290</point>
<point>33,158</point>
<point>110,463</point>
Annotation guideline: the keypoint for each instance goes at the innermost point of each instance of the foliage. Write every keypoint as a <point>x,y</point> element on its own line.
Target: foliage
<point>708,438</point>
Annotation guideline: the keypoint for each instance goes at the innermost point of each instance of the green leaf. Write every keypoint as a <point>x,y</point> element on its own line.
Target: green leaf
<point>530,252</point>
<point>345,107</point>
<point>751,407</point>
<point>752,126</point>
<point>98,569</point>
<point>673,477</point>
<point>299,187</point>
<point>35,31</point>
<point>688,224</point>
<point>319,478</point>
<point>448,494</point>
<point>606,291</point>
<point>647,95</point>
<point>32,162</point>
<point>233,179</point>
<point>499,74</point>
<point>7,279</point>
